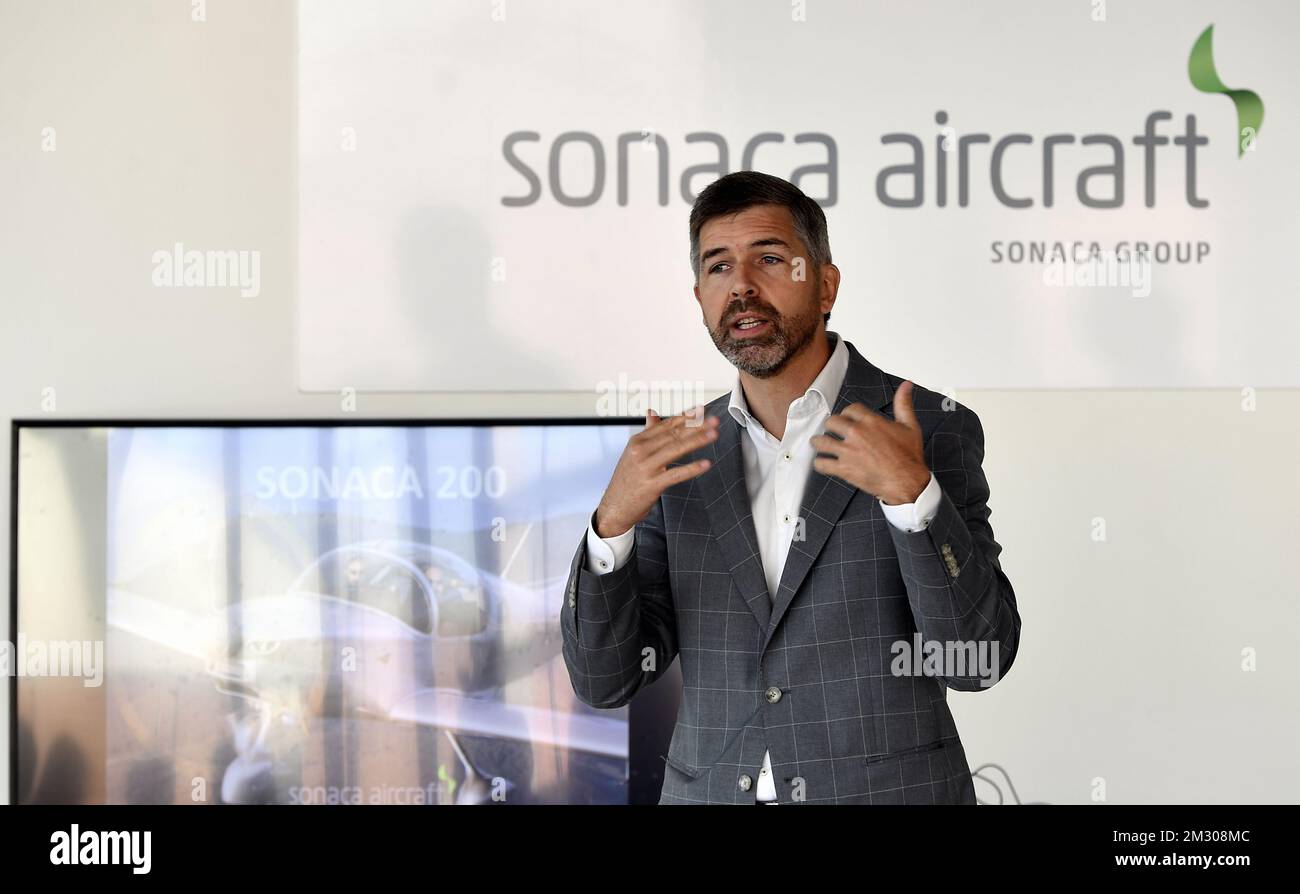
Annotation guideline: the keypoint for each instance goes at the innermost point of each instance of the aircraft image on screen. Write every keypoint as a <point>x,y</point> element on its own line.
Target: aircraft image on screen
<point>408,631</point>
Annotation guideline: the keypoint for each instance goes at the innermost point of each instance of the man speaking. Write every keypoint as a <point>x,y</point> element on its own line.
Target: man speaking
<point>814,545</point>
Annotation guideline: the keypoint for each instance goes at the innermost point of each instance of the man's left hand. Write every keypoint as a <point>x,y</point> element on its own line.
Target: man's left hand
<point>883,457</point>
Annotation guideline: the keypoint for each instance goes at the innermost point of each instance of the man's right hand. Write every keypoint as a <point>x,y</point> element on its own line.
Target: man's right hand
<point>642,473</point>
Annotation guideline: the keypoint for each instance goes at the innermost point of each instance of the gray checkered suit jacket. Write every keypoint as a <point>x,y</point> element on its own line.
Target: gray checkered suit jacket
<point>807,673</point>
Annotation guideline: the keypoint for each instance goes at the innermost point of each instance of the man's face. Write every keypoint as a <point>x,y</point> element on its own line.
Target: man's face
<point>757,310</point>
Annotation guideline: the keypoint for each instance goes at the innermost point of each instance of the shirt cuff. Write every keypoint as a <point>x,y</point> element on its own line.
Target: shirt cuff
<point>913,517</point>
<point>608,554</point>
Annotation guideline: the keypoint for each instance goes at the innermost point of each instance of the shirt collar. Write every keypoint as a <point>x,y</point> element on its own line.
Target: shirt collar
<point>824,390</point>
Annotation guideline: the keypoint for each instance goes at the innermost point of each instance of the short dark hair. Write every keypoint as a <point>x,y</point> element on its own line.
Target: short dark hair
<point>740,190</point>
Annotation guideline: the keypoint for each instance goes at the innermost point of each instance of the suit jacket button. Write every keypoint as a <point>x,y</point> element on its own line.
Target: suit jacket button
<point>773,695</point>
<point>745,782</point>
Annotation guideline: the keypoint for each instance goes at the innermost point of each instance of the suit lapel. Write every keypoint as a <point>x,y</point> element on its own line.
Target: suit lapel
<point>726,501</point>
<point>825,498</point>
<point>731,519</point>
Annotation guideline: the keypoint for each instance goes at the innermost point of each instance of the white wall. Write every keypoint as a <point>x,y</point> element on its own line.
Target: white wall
<point>168,131</point>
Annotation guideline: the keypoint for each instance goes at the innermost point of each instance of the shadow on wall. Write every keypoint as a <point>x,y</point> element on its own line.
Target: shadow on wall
<point>445,267</point>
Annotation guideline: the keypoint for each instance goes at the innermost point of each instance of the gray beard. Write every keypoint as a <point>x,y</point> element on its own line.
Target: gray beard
<point>764,358</point>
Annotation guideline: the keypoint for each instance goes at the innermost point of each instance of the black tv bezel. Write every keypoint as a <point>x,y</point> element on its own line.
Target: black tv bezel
<point>645,771</point>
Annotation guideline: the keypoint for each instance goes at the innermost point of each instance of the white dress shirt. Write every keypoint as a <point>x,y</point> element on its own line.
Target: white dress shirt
<point>776,473</point>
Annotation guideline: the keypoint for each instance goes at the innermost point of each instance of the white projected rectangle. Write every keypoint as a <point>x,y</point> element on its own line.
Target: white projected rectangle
<point>495,196</point>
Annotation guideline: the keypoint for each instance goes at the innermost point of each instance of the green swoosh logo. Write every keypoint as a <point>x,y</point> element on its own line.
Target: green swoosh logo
<point>1250,108</point>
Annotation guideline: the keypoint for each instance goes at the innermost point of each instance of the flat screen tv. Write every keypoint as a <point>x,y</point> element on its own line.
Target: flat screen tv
<point>310,612</point>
